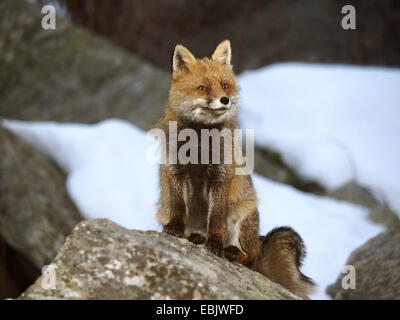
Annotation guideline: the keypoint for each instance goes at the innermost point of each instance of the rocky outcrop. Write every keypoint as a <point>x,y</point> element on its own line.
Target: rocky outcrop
<point>101,260</point>
<point>377,267</point>
<point>36,213</point>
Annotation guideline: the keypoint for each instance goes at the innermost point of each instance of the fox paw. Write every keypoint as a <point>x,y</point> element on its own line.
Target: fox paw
<point>215,247</point>
<point>232,253</point>
<point>197,238</point>
<point>174,229</point>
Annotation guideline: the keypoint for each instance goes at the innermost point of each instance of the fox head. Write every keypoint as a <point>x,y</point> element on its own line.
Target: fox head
<point>204,90</point>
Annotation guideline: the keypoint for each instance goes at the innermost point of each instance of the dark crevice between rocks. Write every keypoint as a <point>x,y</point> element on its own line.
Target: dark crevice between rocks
<point>17,273</point>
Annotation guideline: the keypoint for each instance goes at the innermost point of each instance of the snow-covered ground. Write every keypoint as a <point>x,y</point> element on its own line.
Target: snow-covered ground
<point>109,176</point>
<point>331,123</point>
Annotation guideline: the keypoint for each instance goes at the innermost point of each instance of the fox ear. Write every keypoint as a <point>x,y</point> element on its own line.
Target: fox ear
<point>181,59</point>
<point>222,53</point>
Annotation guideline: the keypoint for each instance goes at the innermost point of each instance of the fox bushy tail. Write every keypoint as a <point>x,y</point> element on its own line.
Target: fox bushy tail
<point>281,253</point>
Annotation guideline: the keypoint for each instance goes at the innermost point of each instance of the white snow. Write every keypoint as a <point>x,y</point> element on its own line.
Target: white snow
<point>109,176</point>
<point>331,123</point>
<point>108,173</point>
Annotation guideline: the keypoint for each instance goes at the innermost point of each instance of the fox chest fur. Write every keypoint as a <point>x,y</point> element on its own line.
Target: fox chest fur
<point>199,185</point>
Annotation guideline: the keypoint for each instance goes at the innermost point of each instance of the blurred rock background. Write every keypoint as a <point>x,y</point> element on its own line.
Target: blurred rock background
<point>89,68</point>
<point>261,32</point>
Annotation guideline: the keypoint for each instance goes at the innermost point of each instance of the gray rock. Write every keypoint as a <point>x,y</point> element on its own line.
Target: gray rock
<point>71,75</point>
<point>101,260</point>
<point>377,266</point>
<point>36,213</point>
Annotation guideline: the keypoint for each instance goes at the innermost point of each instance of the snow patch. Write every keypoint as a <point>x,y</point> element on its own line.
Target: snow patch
<point>331,123</point>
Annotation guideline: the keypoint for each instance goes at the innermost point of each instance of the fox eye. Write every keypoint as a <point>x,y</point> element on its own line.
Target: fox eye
<point>202,88</point>
<point>225,85</point>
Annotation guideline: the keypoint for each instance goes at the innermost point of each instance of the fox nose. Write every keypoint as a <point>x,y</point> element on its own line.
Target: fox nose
<point>224,100</point>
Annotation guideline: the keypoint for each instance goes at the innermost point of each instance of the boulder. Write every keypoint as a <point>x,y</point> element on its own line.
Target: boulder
<point>70,75</point>
<point>36,213</point>
<point>377,267</point>
<point>101,260</point>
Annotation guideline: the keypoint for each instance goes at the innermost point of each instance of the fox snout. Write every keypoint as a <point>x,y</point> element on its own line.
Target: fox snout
<point>221,104</point>
<point>210,110</point>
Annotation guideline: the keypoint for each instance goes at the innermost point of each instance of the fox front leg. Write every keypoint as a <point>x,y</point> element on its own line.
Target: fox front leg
<point>176,224</point>
<point>217,220</point>
<point>197,211</point>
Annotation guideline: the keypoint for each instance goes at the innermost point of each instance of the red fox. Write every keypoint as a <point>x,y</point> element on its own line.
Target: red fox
<point>208,203</point>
